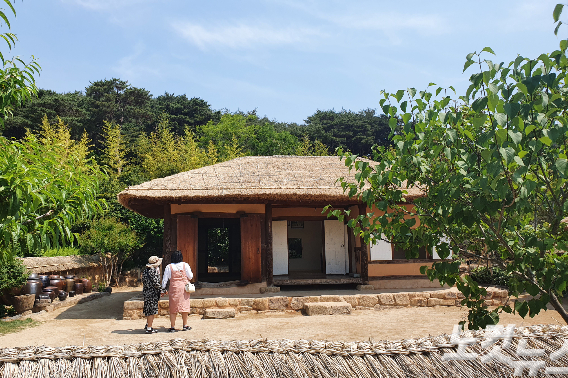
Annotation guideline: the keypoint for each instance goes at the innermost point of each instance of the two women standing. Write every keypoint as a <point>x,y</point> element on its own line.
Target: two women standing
<point>178,273</point>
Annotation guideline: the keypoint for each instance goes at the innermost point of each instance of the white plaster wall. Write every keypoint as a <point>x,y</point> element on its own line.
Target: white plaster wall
<point>435,254</point>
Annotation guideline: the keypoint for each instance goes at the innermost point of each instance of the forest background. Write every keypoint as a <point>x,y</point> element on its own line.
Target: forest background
<point>132,137</point>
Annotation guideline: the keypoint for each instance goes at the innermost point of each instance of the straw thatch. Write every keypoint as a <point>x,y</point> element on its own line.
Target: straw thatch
<point>178,358</point>
<point>250,179</point>
<point>42,265</point>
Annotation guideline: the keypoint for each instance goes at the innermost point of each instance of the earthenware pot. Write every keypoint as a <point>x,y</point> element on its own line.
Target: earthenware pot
<point>57,283</point>
<point>70,277</point>
<point>54,277</point>
<point>55,289</point>
<point>62,295</point>
<point>33,287</point>
<point>44,295</point>
<point>23,303</point>
<point>33,276</point>
<point>69,284</point>
<point>78,288</point>
<point>44,280</point>
<point>50,293</point>
<point>87,285</point>
<point>71,293</point>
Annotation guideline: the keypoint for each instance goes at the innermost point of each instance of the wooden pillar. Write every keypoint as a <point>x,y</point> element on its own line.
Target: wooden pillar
<point>169,241</point>
<point>364,251</point>
<point>269,254</point>
<point>187,238</point>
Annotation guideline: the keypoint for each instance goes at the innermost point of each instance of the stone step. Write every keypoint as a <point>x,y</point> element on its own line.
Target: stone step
<point>219,313</point>
<point>327,308</point>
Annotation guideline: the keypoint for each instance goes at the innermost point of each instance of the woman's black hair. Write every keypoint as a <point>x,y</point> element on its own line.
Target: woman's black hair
<point>177,257</point>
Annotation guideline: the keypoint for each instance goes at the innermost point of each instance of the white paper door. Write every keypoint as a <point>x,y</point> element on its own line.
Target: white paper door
<point>280,247</point>
<point>381,251</point>
<point>335,256</point>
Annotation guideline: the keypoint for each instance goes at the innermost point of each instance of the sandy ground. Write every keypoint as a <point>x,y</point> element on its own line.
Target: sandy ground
<point>100,323</point>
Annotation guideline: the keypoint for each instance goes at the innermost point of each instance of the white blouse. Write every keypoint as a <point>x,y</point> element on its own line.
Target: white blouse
<point>178,266</point>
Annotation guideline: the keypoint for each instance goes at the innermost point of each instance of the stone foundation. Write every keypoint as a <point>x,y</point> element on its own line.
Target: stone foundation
<point>450,297</point>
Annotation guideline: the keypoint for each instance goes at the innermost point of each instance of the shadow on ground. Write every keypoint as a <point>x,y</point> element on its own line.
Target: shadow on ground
<point>107,307</point>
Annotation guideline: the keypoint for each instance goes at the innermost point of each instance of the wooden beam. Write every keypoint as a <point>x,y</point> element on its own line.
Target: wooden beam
<point>364,252</point>
<point>269,254</point>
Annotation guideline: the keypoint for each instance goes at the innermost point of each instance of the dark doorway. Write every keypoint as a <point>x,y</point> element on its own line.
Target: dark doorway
<point>219,249</point>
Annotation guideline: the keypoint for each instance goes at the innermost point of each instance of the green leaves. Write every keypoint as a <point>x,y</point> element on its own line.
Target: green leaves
<point>479,104</point>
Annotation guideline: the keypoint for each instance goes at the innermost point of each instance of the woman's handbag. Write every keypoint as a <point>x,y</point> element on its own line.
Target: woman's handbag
<point>189,287</point>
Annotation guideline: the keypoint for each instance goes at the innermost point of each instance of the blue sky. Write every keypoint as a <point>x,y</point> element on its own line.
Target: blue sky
<point>285,58</point>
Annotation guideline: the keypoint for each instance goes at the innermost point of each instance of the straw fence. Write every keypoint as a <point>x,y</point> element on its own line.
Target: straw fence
<point>284,358</point>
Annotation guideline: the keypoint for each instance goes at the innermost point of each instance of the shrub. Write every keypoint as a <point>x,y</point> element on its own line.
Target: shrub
<point>66,251</point>
<point>13,273</point>
<point>490,276</point>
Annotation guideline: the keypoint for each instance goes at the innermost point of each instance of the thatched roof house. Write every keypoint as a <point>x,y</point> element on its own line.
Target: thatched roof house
<point>269,210</point>
<point>428,357</point>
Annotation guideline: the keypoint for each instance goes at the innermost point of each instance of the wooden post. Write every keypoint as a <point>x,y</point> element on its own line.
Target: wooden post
<point>168,245</point>
<point>364,252</point>
<point>269,254</point>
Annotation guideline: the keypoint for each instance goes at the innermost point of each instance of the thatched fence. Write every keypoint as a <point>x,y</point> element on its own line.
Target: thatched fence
<point>287,358</point>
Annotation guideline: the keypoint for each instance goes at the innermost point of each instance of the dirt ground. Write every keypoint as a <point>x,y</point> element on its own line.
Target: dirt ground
<point>99,322</point>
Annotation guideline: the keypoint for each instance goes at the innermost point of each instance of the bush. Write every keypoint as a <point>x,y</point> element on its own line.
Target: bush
<point>490,276</point>
<point>13,273</point>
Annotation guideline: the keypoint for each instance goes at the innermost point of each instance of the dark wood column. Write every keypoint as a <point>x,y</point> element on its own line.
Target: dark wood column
<point>364,250</point>
<point>169,237</point>
<point>269,255</point>
<point>187,237</point>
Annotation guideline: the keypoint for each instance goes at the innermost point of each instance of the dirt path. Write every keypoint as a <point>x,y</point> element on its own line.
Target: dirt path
<point>100,323</point>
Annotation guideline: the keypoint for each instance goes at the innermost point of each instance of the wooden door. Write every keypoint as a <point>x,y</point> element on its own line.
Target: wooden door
<point>335,251</point>
<point>187,241</point>
<point>251,270</point>
<point>280,247</point>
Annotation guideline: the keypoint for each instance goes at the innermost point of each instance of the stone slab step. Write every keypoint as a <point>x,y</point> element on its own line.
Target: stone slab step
<point>219,313</point>
<point>327,308</point>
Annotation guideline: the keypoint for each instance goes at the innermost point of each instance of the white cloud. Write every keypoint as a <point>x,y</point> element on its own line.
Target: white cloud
<point>134,67</point>
<point>242,35</point>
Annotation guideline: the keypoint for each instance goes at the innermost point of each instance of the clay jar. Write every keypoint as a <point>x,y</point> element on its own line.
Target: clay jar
<point>70,277</point>
<point>44,280</point>
<point>49,292</point>
<point>33,287</point>
<point>71,293</point>
<point>62,295</point>
<point>57,283</point>
<point>55,289</point>
<point>78,288</point>
<point>69,284</point>
<point>87,285</point>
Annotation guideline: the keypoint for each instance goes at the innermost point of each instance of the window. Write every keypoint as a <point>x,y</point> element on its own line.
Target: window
<point>400,254</point>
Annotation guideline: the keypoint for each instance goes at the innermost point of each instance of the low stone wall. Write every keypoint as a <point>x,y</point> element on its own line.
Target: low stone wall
<point>451,297</point>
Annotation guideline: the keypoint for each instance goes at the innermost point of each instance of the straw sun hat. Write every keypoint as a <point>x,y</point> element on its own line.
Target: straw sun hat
<point>154,261</point>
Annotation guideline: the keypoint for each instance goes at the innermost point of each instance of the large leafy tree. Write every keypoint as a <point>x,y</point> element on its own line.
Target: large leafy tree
<point>183,112</point>
<point>493,169</point>
<point>17,82</point>
<point>353,131</point>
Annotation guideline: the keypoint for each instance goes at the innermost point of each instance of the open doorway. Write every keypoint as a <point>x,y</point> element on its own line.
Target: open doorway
<point>219,249</point>
<point>305,248</point>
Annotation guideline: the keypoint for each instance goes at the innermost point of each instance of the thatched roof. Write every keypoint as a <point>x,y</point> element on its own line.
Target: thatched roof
<point>250,179</point>
<point>60,263</point>
<point>427,357</point>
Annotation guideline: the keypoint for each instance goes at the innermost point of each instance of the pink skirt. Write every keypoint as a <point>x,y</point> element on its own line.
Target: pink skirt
<point>179,299</point>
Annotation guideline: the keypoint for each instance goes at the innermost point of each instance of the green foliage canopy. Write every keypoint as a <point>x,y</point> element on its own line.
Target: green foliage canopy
<point>493,167</point>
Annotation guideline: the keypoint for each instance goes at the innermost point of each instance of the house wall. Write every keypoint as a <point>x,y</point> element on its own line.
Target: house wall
<point>311,236</point>
<point>404,268</point>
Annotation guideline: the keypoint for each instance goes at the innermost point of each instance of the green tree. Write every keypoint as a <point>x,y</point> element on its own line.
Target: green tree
<point>44,189</point>
<point>183,112</point>
<point>493,169</point>
<point>17,82</point>
<point>113,240</point>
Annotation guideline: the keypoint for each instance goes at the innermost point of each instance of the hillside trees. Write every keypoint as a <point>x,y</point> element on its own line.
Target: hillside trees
<point>494,172</point>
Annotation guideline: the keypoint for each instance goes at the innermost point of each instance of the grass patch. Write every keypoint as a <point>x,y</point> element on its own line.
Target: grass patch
<point>16,325</point>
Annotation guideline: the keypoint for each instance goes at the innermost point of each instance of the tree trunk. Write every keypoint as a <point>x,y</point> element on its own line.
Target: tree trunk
<point>557,305</point>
